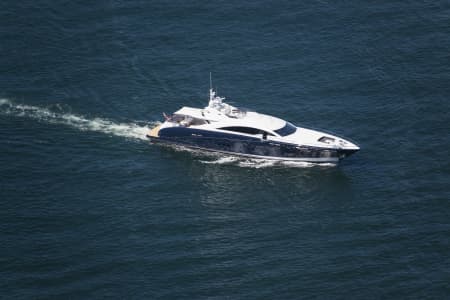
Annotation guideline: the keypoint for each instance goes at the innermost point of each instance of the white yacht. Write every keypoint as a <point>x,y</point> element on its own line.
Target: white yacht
<point>223,128</point>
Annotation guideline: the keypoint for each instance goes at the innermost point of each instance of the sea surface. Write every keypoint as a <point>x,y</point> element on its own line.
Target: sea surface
<point>89,209</point>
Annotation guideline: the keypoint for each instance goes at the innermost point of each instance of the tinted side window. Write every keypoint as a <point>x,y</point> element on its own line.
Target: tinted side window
<point>247,130</point>
<point>287,129</point>
<point>240,129</point>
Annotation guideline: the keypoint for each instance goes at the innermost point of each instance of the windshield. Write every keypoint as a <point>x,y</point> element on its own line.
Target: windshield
<point>286,130</point>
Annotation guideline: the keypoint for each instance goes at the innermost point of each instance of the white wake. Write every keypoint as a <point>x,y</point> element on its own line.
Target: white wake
<point>129,130</point>
<point>264,163</point>
<point>136,130</point>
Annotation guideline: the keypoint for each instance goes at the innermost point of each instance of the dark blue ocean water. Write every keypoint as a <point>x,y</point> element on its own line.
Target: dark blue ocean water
<point>89,209</point>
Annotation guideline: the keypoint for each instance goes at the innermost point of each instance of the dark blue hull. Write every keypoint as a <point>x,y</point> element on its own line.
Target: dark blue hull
<point>246,146</point>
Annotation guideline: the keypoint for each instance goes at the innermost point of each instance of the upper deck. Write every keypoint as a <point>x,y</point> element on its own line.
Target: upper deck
<point>221,114</point>
<point>249,119</point>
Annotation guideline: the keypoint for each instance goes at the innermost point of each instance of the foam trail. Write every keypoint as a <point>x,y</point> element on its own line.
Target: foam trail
<point>257,163</point>
<point>129,130</point>
<point>263,163</point>
<point>136,131</point>
<point>222,160</point>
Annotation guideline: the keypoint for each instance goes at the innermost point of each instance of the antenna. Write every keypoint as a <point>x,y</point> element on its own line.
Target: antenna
<point>211,93</point>
<point>210,80</point>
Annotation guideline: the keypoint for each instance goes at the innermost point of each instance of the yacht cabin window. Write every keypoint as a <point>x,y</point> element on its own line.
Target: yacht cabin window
<point>286,130</point>
<point>246,130</point>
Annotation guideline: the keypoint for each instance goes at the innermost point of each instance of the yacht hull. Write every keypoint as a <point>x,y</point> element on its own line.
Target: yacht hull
<point>246,146</point>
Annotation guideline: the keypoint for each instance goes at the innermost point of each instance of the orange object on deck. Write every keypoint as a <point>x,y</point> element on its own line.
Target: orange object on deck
<point>154,131</point>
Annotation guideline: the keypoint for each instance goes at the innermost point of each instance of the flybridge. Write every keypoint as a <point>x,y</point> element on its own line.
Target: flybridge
<point>216,103</point>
